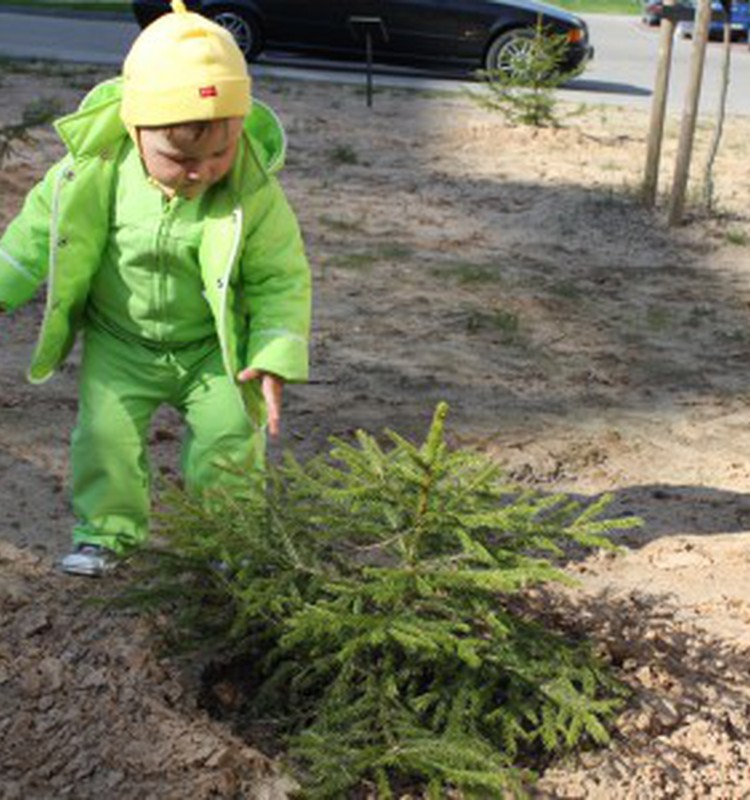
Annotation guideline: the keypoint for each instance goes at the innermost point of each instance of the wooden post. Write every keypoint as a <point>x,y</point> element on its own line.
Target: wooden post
<point>658,108</point>
<point>690,113</point>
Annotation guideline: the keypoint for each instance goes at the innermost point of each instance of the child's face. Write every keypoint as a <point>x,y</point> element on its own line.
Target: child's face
<point>188,159</point>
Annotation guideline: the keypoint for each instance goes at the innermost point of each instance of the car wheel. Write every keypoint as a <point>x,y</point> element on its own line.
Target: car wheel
<point>508,49</point>
<point>243,27</point>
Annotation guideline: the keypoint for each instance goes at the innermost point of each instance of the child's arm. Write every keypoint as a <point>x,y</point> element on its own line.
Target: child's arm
<point>24,247</point>
<point>277,288</point>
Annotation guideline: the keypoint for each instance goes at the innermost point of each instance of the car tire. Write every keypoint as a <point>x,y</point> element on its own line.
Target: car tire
<point>242,26</point>
<point>507,46</point>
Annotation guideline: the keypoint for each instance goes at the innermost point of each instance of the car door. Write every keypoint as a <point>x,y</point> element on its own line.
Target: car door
<point>419,29</point>
<point>308,25</point>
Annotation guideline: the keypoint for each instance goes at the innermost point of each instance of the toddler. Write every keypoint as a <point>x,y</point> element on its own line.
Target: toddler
<point>166,241</point>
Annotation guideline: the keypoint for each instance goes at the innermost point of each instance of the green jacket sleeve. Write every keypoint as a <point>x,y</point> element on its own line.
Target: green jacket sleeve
<point>24,247</point>
<point>277,286</point>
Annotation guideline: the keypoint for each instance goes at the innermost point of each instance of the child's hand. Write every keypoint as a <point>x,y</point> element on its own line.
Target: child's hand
<point>272,387</point>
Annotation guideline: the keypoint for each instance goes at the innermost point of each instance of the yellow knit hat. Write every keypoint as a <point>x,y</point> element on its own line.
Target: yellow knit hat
<point>181,68</point>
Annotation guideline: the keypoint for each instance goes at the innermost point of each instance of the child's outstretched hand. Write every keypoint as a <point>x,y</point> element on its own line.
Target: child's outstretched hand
<point>272,387</point>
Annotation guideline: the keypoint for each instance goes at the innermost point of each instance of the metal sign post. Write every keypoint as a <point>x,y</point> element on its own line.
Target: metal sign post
<point>370,28</point>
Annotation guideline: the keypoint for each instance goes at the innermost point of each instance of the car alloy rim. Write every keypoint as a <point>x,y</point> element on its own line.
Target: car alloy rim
<point>513,54</point>
<point>238,28</point>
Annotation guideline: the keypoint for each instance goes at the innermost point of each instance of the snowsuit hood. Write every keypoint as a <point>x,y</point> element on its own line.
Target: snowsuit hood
<point>96,127</point>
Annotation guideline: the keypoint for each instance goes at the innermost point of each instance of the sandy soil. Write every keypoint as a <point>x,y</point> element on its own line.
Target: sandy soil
<point>577,339</point>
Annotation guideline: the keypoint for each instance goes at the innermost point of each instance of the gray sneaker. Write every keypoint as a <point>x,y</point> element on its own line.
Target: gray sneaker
<point>91,560</point>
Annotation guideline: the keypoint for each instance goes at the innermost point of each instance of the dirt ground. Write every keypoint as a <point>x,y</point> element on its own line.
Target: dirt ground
<point>577,339</point>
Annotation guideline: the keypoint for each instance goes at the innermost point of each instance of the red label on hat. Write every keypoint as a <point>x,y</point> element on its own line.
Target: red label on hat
<point>208,91</point>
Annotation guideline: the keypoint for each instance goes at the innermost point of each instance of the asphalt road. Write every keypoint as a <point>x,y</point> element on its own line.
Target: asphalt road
<point>624,68</point>
<point>622,72</point>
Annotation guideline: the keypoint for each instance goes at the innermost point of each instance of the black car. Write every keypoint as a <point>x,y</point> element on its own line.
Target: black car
<point>652,11</point>
<point>467,34</point>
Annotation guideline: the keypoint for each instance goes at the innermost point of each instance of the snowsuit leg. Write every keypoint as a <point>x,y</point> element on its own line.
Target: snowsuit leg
<point>219,433</point>
<point>121,386</point>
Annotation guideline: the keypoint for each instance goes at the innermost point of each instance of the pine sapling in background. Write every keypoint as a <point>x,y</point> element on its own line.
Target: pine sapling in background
<point>369,595</point>
<point>522,87</point>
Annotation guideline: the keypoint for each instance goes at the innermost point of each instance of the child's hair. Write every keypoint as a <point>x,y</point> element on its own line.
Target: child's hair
<point>180,134</point>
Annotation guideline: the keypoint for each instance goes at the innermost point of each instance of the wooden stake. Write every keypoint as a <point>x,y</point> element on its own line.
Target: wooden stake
<point>658,109</point>
<point>690,113</point>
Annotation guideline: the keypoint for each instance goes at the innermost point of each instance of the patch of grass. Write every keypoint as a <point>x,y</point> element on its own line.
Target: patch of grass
<point>701,313</point>
<point>401,92</point>
<point>499,321</point>
<point>735,336</point>
<point>366,258</point>
<point>567,290</point>
<point>468,272</point>
<point>736,237</point>
<point>278,88</point>
<point>658,319</point>
<point>14,66</point>
<point>616,197</point>
<point>340,225</point>
<point>394,252</point>
<point>343,154</point>
<point>48,69</point>
<point>353,260</point>
<point>600,6</point>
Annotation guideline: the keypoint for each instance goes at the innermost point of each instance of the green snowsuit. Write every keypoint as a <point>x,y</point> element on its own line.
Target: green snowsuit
<point>174,298</point>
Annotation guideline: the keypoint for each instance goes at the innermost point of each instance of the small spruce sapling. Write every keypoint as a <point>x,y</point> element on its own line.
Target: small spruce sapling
<point>522,87</point>
<point>371,593</point>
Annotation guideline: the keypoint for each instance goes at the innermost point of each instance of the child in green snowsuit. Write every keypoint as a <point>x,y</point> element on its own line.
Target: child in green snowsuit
<point>165,238</point>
